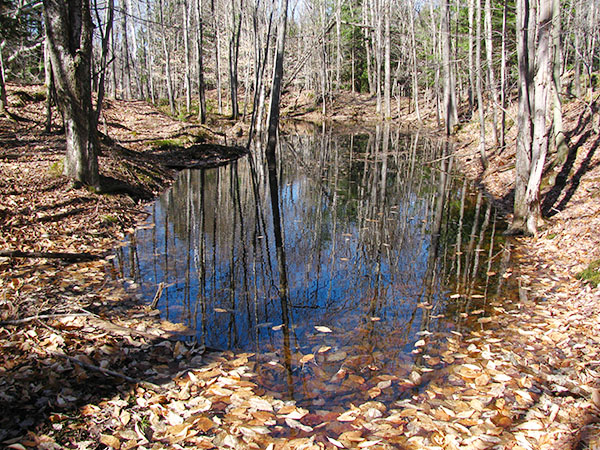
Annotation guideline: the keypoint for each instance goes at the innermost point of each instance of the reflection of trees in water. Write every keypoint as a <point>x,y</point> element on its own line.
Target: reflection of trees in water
<point>370,225</point>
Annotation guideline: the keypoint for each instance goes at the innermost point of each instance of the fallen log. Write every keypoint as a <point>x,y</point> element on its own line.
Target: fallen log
<point>67,256</point>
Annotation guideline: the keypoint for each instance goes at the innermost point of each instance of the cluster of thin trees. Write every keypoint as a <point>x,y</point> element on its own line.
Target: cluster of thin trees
<point>464,58</point>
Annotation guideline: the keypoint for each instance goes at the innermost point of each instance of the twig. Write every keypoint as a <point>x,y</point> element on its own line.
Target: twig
<point>158,295</point>
<point>43,316</point>
<point>96,368</point>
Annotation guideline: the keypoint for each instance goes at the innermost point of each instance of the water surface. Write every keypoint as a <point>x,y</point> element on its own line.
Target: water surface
<point>347,284</point>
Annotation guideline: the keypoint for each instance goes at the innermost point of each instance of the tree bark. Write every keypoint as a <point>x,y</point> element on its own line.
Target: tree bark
<point>3,99</point>
<point>559,141</point>
<point>524,137</point>
<point>532,141</point>
<point>69,27</point>
<point>539,146</point>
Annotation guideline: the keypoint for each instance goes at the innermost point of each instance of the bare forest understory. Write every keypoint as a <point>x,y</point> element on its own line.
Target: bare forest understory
<point>84,365</point>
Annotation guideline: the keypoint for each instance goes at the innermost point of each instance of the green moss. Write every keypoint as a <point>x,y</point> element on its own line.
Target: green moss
<point>591,274</point>
<point>165,144</point>
<point>56,169</point>
<point>109,218</point>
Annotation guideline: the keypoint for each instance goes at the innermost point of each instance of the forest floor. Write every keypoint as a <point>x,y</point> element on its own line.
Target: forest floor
<point>85,365</point>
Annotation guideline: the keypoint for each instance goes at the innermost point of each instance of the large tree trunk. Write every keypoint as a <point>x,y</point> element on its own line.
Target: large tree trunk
<point>539,148</point>
<point>532,140</point>
<point>524,137</point>
<point>69,29</point>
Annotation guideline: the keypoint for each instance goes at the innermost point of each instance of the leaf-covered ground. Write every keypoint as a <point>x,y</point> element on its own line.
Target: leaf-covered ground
<point>84,365</point>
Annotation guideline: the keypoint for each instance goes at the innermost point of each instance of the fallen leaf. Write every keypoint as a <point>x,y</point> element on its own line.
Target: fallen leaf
<point>110,441</point>
<point>335,442</point>
<point>323,329</point>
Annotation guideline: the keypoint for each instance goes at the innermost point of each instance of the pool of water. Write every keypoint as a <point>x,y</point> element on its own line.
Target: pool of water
<point>347,285</point>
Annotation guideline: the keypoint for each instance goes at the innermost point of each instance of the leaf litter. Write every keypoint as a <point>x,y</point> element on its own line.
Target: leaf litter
<point>527,379</point>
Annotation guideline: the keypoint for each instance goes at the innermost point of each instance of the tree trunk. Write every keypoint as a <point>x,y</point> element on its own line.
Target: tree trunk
<point>276,88</point>
<point>559,141</point>
<point>69,25</point>
<point>479,88</point>
<point>415,80</point>
<point>450,108</point>
<point>471,14</point>
<point>186,55</point>
<point>387,88</point>
<point>524,137</point>
<point>503,77</point>
<point>103,59</point>
<point>539,148</point>
<point>234,50</point>
<point>166,53</point>
<point>490,70</point>
<point>200,63</point>
<point>3,99</point>
<point>49,82</point>
<point>532,141</point>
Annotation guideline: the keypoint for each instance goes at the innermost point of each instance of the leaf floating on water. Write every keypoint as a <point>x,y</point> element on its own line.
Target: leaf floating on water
<point>220,310</point>
<point>323,329</point>
<point>323,349</point>
<point>420,343</point>
<point>455,296</point>
<point>277,327</point>
<point>307,358</point>
<point>375,319</point>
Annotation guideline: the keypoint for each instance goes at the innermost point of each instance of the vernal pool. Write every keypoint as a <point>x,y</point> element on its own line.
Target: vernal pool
<point>347,285</point>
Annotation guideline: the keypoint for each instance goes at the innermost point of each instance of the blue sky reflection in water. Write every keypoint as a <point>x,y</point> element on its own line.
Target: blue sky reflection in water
<point>382,245</point>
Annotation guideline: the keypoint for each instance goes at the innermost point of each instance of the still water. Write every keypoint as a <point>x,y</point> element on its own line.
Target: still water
<point>344,273</point>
